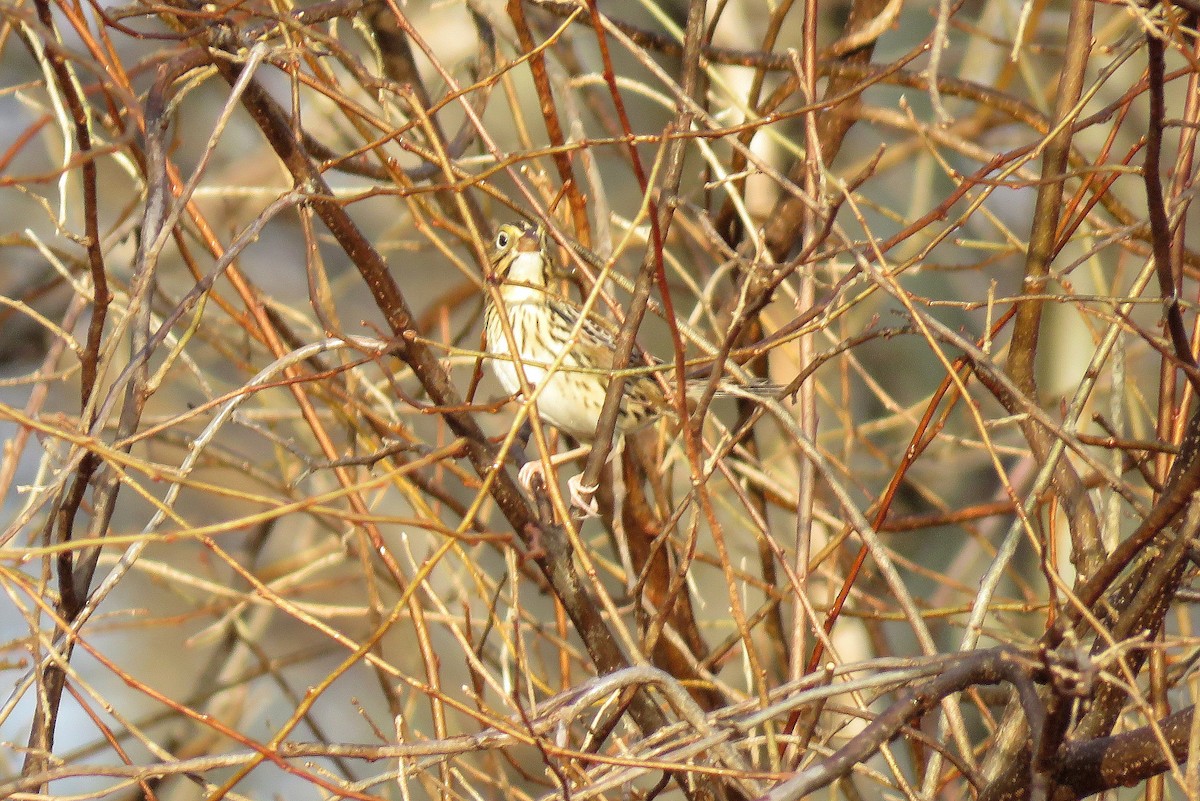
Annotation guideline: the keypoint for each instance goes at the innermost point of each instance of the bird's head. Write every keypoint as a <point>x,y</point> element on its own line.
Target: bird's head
<point>519,254</point>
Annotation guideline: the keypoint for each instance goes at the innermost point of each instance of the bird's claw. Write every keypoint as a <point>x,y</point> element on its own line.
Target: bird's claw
<point>530,470</point>
<point>583,496</point>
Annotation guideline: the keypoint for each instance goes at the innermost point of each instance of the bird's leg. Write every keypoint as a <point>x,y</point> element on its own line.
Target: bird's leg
<point>535,467</point>
<point>526,468</point>
<point>516,452</point>
<point>583,495</point>
<point>523,435</point>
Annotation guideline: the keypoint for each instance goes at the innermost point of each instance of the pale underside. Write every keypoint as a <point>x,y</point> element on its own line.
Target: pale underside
<point>572,395</point>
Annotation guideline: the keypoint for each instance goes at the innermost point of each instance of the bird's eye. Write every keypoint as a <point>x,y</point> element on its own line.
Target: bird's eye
<point>502,240</point>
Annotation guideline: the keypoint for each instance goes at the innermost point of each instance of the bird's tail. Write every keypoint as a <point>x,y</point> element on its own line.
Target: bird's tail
<point>758,388</point>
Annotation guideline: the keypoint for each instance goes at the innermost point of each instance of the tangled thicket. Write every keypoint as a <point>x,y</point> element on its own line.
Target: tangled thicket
<point>263,535</point>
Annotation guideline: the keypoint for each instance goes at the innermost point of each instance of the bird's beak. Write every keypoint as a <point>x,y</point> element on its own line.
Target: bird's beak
<point>530,241</point>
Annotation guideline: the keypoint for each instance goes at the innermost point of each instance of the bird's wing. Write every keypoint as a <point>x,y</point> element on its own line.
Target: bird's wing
<point>598,335</point>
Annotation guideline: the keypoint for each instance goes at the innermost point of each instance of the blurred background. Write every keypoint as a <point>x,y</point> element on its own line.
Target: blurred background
<point>260,534</point>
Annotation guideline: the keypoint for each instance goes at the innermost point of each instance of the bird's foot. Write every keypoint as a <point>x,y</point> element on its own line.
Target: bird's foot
<point>583,496</point>
<point>530,470</point>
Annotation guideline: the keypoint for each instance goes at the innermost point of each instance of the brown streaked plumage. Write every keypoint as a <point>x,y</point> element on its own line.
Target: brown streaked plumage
<point>571,395</point>
<point>541,326</point>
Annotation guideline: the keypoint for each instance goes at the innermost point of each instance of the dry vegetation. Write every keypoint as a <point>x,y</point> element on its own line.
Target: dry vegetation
<point>261,535</point>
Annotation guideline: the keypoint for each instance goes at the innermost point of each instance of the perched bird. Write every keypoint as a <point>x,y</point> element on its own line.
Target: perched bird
<point>542,323</point>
